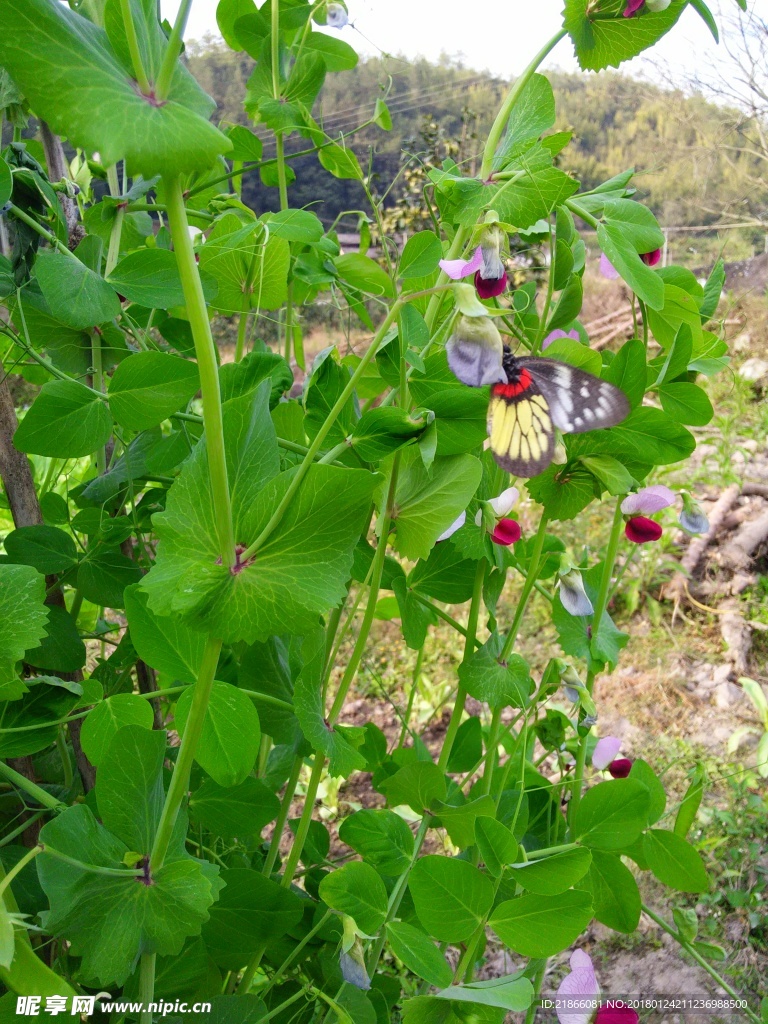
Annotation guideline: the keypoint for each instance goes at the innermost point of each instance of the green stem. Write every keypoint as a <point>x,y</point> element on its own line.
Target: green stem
<point>442,614</point>
<point>133,47</point>
<point>494,136</point>
<point>10,836</point>
<point>146,986</point>
<point>77,604</point>
<point>294,953</point>
<point>548,296</point>
<point>66,760</point>
<point>18,867</point>
<point>412,695</point>
<point>699,960</point>
<point>242,327</point>
<point>206,361</point>
<point>600,606</point>
<point>321,435</point>
<point>334,453</point>
<point>282,817</point>
<point>454,251</point>
<point>96,869</point>
<point>29,787</point>
<point>538,981</point>
<point>302,829</point>
<point>189,742</point>
<point>168,67</point>
<point>548,851</point>
<point>530,581</point>
<point>47,235</point>
<point>579,210</point>
<point>469,647</point>
<point>490,753</point>
<point>98,383</point>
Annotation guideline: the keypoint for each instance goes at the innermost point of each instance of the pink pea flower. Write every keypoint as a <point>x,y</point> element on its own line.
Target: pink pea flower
<point>648,500</point>
<point>507,532</point>
<point>641,530</point>
<point>650,259</point>
<point>633,6</point>
<point>605,751</point>
<point>456,269</point>
<point>580,986</point>
<point>486,264</point>
<point>557,333</point>
<point>607,269</point>
<point>489,288</point>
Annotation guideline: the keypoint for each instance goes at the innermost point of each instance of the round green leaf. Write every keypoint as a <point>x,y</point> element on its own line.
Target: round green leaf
<point>553,875</point>
<point>381,837</point>
<point>540,926</point>
<point>358,891</point>
<point>419,954</point>
<point>66,421</point>
<point>674,861</point>
<point>420,256</point>
<point>101,724</point>
<point>229,742</point>
<point>612,814</point>
<point>148,386</point>
<point>44,547</point>
<point>615,896</point>
<point>451,897</point>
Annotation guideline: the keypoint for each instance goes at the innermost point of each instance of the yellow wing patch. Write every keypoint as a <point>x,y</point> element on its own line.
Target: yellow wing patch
<point>521,433</point>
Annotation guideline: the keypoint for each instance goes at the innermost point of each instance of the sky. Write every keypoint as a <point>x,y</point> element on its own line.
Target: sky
<point>502,40</point>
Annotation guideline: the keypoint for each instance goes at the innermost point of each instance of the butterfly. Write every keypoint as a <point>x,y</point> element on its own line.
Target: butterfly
<point>539,395</point>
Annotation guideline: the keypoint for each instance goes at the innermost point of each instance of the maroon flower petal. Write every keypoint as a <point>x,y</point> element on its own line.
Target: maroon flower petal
<point>620,768</point>
<point>616,1015</point>
<point>488,288</point>
<point>633,6</point>
<point>650,259</point>
<point>507,532</point>
<point>641,530</point>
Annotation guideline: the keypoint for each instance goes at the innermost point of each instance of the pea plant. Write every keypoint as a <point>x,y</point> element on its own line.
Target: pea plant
<point>200,546</point>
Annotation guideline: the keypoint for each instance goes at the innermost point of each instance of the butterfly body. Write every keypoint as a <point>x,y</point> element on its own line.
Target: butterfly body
<point>541,394</point>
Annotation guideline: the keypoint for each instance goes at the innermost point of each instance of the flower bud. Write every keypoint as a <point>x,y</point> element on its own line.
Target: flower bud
<point>650,259</point>
<point>336,15</point>
<point>692,518</point>
<point>475,351</point>
<point>561,455</point>
<point>507,532</point>
<point>572,593</point>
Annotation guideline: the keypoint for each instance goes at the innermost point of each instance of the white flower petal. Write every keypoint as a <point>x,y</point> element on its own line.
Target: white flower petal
<point>455,525</point>
<point>606,750</point>
<point>505,502</point>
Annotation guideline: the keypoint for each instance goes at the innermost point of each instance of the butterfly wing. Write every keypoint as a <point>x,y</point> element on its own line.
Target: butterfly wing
<point>578,401</point>
<point>520,427</point>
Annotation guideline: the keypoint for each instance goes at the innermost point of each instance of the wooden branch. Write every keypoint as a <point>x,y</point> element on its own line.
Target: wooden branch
<point>737,552</point>
<point>57,169</point>
<point>15,471</point>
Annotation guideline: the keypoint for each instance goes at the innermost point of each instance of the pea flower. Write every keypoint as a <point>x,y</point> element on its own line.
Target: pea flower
<point>607,269</point>
<point>557,333</point>
<point>604,756</point>
<point>620,767</point>
<point>577,693</point>
<point>648,500</point>
<point>580,986</point>
<point>475,350</point>
<point>572,593</point>
<point>641,530</point>
<point>455,525</point>
<point>650,259</point>
<point>336,16</point>
<point>505,531</point>
<point>634,6</point>
<point>486,264</point>
<point>692,519</point>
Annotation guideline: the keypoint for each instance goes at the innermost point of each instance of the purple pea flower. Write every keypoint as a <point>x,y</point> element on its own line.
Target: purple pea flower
<point>650,259</point>
<point>648,500</point>
<point>605,751</point>
<point>336,16</point>
<point>641,530</point>
<point>572,593</point>
<point>581,986</point>
<point>607,269</point>
<point>557,333</point>
<point>486,264</point>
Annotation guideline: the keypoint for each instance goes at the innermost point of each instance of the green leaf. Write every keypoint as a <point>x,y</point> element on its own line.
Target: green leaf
<point>47,700</point>
<point>510,993</point>
<point>381,837</point>
<point>43,547</point>
<point>267,668</point>
<point>109,920</point>
<point>363,273</point>
<point>229,742</point>
<point>451,897</point>
<point>148,386</point>
<point>296,225</point>
<point>459,821</point>
<point>614,477</point>
<point>612,814</point>
<point>23,615</point>
<point>627,371</point>
<point>467,749</point>
<point>150,277</point>
<point>103,577</point>
<point>499,684</point>
<point>325,387</point>
<point>420,256</point>
<point>162,641</point>
<point>234,812</point>
<point>357,890</point>
<point>713,289</point>
<point>302,569</point>
<point>496,845</point>
<point>686,403</point>
<point>129,786</point>
<point>380,432</point>
<point>338,55</point>
<point>250,268</point>
<point>419,954</point>
<point>417,785</point>
<point>102,724</point>
<point>460,419</point>
<point>445,575</point>
<point>642,772</point>
<point>607,42</point>
<point>428,502</point>
<point>6,191</point>
<point>340,162</point>
<point>61,650</point>
<point>615,896</point>
<point>238,379</point>
<point>674,861</point>
<point>647,436</point>
<point>540,926</point>
<point>51,52</point>
<point>532,114</point>
<point>553,875</point>
<point>251,912</point>
<point>566,350</point>
<point>432,1010</point>
<point>564,492</point>
<point>66,421</point>
<point>79,296</point>
<point>624,257</point>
